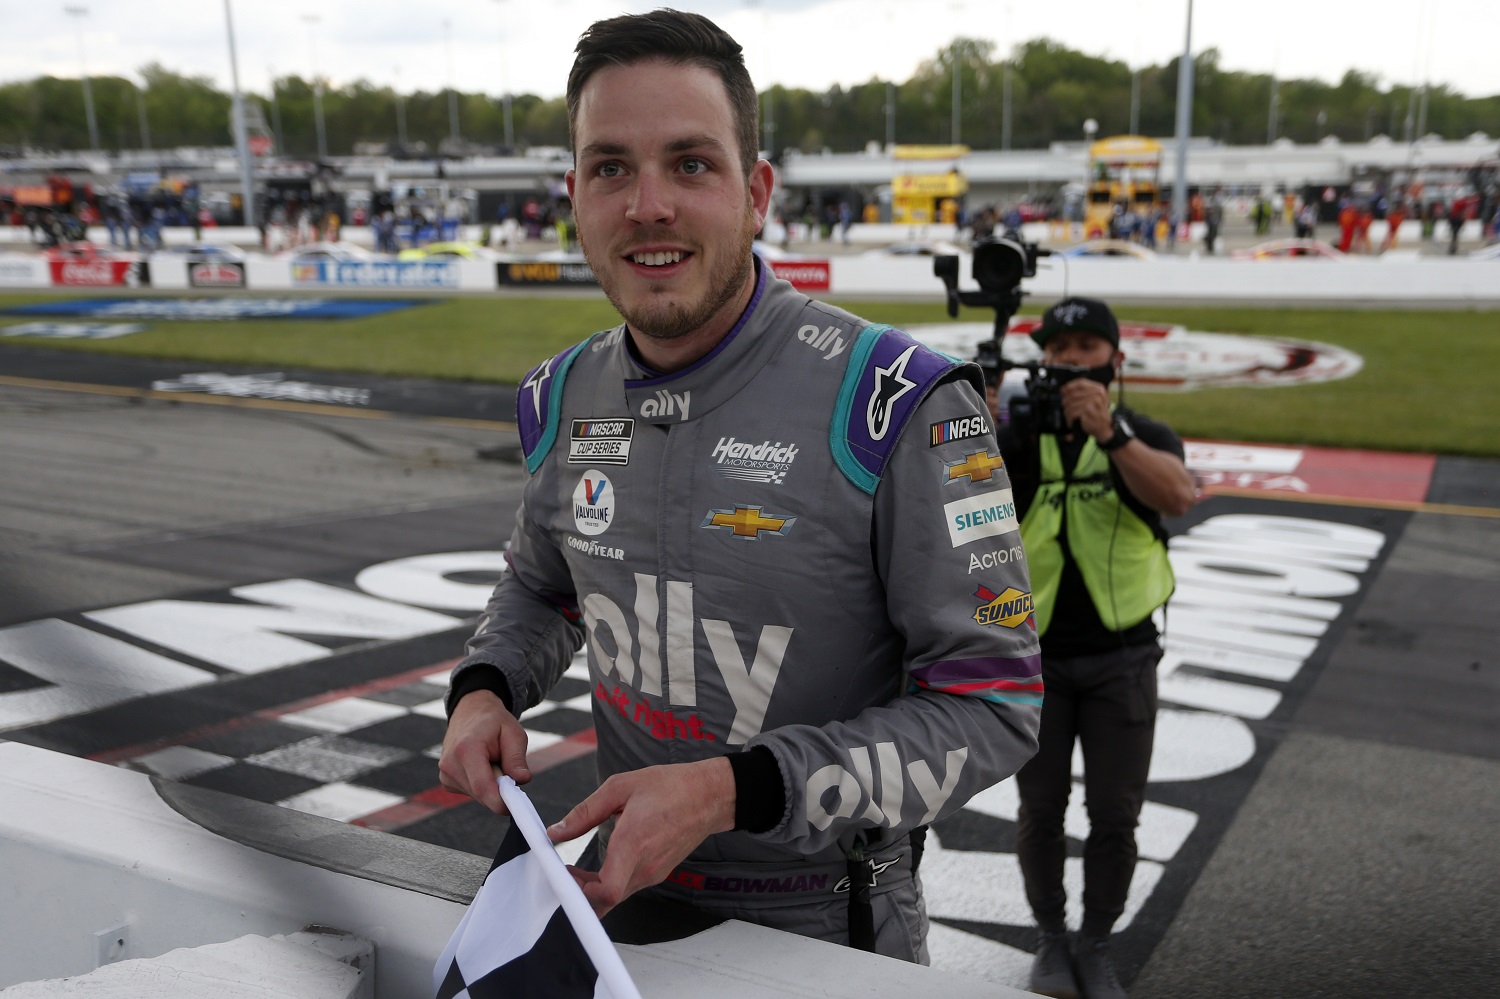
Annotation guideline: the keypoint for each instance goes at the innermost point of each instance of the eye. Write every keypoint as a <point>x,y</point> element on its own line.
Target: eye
<point>610,169</point>
<point>694,165</point>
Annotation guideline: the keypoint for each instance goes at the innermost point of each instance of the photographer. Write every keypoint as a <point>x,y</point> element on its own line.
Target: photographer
<point>1092,482</point>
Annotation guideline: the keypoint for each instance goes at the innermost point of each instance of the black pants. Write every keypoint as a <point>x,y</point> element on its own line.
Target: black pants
<point>1108,704</point>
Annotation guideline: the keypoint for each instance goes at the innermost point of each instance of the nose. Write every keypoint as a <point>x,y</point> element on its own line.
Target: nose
<point>650,199</point>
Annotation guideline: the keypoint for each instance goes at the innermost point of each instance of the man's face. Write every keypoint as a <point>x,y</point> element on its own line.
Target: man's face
<point>665,214</point>
<point>1078,348</point>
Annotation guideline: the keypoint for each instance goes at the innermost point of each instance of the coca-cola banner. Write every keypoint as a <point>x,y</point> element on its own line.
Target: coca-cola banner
<point>100,272</point>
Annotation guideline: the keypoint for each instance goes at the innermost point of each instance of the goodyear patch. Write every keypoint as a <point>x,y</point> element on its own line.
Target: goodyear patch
<point>1008,609</point>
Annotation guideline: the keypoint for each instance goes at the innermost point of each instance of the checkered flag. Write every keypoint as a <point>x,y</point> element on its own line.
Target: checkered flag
<point>529,931</point>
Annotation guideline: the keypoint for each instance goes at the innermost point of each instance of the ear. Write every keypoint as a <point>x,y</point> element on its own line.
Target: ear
<point>762,180</point>
<point>568,179</point>
<point>1119,361</point>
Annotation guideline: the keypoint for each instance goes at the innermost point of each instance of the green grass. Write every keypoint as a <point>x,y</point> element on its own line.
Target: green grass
<point>1427,382</point>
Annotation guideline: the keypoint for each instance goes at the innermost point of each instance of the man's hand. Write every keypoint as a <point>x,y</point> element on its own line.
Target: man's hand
<point>1086,403</point>
<point>480,734</point>
<point>661,815</point>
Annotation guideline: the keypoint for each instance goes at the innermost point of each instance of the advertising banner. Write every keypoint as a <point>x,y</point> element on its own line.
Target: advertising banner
<point>544,272</point>
<point>216,274</point>
<point>377,273</point>
<point>100,272</point>
<point>18,270</point>
<point>804,275</point>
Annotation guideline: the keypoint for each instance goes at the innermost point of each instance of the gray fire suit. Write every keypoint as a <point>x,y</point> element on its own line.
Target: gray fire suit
<point>805,542</point>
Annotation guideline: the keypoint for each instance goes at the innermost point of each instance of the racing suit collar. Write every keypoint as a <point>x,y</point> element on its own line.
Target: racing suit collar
<point>708,382</point>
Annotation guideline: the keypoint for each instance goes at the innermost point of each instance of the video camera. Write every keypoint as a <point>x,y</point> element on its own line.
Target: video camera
<point>1000,265</point>
<point>1040,409</point>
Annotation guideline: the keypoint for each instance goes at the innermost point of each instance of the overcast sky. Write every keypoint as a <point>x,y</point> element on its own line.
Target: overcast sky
<point>525,46</point>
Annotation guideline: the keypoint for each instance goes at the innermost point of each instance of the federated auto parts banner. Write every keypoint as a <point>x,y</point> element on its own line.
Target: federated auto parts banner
<point>377,273</point>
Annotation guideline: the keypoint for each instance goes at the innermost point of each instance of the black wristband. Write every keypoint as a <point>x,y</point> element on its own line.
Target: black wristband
<point>1124,434</point>
<point>481,676</point>
<point>759,791</point>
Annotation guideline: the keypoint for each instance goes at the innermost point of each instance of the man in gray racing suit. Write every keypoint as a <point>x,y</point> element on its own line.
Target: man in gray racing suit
<point>794,558</point>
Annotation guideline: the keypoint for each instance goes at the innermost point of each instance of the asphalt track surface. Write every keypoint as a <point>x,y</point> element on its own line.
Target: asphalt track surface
<point>1324,798</point>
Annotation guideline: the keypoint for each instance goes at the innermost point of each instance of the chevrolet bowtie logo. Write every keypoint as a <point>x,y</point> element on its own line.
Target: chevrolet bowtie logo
<point>979,466</point>
<point>747,522</point>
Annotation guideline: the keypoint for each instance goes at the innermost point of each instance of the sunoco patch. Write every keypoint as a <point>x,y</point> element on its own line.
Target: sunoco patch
<point>604,442</point>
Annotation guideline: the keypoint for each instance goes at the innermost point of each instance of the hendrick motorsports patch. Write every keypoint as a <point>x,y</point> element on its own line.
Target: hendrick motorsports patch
<point>216,308</point>
<point>1172,357</point>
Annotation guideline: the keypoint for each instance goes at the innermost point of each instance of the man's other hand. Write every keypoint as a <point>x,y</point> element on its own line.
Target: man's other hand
<point>661,815</point>
<point>481,734</point>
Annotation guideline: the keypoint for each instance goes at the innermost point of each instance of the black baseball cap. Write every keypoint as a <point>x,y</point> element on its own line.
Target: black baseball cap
<point>1087,314</point>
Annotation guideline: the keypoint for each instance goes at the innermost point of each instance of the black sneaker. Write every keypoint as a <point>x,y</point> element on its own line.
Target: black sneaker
<point>1052,970</point>
<point>1095,971</point>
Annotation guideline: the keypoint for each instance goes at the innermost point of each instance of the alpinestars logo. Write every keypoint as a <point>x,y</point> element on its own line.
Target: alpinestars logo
<point>765,462</point>
<point>535,381</point>
<point>666,403</point>
<point>890,385</point>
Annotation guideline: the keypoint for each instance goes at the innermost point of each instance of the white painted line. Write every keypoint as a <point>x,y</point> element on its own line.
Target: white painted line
<point>328,758</point>
<point>344,715</point>
<point>181,762</point>
<point>341,802</point>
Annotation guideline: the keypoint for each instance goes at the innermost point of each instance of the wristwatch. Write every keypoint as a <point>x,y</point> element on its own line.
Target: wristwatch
<point>1124,434</point>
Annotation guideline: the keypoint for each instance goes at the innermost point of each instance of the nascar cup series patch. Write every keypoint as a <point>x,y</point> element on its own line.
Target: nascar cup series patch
<point>605,442</point>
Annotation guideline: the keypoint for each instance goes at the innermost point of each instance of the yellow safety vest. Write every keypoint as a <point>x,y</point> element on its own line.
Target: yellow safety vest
<point>1123,563</point>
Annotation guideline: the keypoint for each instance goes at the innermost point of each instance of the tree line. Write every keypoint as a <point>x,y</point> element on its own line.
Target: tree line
<point>1049,89</point>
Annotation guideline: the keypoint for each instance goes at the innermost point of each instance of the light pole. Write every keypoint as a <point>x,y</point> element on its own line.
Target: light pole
<point>312,45</point>
<point>452,93</point>
<point>88,91</point>
<point>276,113</point>
<point>957,95</point>
<point>1184,122</point>
<point>510,132</point>
<point>140,106</point>
<point>400,112</point>
<point>241,143</point>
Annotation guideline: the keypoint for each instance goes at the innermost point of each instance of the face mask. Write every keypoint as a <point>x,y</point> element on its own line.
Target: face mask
<point>1104,374</point>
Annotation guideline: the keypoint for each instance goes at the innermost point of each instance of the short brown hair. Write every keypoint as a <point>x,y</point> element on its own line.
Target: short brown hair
<point>675,36</point>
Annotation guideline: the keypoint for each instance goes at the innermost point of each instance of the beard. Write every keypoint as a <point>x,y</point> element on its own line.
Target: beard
<point>662,318</point>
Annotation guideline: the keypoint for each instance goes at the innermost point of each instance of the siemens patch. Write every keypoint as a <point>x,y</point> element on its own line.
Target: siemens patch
<point>948,431</point>
<point>604,441</point>
<point>987,515</point>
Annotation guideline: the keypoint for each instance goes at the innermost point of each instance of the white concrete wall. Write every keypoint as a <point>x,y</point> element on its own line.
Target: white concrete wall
<point>1376,280</point>
<point>86,847</point>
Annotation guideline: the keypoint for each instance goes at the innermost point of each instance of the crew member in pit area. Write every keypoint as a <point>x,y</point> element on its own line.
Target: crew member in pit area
<point>1091,500</point>
<point>758,511</point>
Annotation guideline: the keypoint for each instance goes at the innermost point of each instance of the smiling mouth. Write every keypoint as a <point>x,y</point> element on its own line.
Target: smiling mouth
<point>659,259</point>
